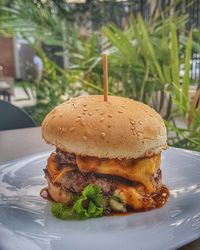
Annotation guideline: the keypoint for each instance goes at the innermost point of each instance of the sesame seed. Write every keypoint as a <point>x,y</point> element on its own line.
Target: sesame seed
<point>102,118</point>
<point>140,122</point>
<point>139,136</point>
<point>84,104</point>
<point>90,113</point>
<point>133,132</point>
<point>74,105</point>
<point>71,129</point>
<point>103,134</point>
<point>53,116</point>
<point>61,114</point>
<point>84,109</point>
<point>78,119</point>
<point>83,123</point>
<point>79,116</point>
<point>97,109</point>
<point>132,122</point>
<point>123,106</point>
<point>120,111</point>
<point>102,113</point>
<point>62,131</point>
<point>109,115</point>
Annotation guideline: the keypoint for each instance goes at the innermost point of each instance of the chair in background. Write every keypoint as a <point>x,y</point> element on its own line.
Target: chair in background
<point>5,91</point>
<point>6,86</point>
<point>12,117</point>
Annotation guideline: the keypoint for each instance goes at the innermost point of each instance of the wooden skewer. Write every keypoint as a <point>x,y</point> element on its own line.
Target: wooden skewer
<point>105,77</point>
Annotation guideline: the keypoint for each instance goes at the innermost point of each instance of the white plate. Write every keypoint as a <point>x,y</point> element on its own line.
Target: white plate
<point>26,222</point>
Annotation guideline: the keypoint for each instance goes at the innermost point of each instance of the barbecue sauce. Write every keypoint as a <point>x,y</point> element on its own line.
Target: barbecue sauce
<point>44,193</point>
<point>160,200</point>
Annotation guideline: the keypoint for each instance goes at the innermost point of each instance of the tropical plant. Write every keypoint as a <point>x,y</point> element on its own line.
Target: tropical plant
<point>149,62</point>
<point>144,60</point>
<point>38,24</point>
<point>51,90</point>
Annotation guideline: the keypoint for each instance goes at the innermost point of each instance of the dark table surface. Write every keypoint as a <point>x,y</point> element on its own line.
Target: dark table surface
<point>22,142</point>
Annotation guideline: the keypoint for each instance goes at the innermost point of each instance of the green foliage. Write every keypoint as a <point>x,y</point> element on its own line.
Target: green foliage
<point>53,84</point>
<point>38,24</point>
<point>144,61</point>
<point>152,66</point>
<point>187,137</point>
<point>38,112</point>
<point>174,56</point>
<point>90,204</point>
<point>51,90</point>
<point>32,21</point>
<point>180,89</point>
<point>186,79</point>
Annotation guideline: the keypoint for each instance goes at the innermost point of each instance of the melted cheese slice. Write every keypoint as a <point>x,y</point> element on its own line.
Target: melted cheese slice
<point>141,170</point>
<point>134,197</point>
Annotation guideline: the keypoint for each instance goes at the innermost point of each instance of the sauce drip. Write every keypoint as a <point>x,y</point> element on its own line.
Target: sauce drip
<point>44,193</point>
<point>160,199</point>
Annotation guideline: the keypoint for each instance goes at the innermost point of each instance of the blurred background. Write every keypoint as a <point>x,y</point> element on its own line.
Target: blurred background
<point>50,50</point>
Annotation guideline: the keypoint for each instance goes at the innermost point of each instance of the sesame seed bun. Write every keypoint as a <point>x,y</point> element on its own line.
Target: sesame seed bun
<point>118,128</point>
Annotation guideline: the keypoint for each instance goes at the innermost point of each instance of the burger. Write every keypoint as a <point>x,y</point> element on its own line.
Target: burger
<point>107,158</point>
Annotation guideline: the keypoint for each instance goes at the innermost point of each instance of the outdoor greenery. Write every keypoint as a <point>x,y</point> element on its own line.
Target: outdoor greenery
<point>144,60</point>
<point>150,62</point>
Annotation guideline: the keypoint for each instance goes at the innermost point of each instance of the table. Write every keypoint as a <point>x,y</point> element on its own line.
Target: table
<point>21,142</point>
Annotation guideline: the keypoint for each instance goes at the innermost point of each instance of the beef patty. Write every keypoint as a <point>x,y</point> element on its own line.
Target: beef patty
<point>76,181</point>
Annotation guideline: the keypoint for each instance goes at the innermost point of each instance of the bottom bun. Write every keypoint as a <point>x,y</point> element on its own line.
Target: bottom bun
<point>58,194</point>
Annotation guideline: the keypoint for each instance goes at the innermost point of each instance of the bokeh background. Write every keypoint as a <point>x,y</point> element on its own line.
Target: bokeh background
<point>50,50</point>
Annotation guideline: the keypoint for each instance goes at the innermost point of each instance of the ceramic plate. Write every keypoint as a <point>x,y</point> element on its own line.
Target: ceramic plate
<point>26,222</point>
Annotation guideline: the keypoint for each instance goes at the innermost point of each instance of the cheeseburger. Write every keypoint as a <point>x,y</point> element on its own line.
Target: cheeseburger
<point>107,156</point>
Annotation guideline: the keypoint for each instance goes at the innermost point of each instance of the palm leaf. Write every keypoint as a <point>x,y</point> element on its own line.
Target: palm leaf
<point>175,62</point>
<point>118,39</point>
<point>149,47</point>
<point>166,68</point>
<point>186,79</point>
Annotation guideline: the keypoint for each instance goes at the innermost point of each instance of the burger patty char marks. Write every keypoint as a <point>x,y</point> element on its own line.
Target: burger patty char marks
<point>65,158</point>
<point>76,181</point>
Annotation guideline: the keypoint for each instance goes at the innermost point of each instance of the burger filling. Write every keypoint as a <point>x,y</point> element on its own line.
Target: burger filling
<point>124,183</point>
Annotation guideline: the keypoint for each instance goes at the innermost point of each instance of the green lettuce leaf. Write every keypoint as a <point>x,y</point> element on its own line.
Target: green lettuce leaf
<point>61,211</point>
<point>90,204</point>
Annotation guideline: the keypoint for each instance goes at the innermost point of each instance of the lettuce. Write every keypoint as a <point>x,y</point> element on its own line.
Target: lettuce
<point>90,204</point>
<point>61,211</point>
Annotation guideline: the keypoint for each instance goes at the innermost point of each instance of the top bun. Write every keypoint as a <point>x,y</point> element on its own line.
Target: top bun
<point>118,128</point>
